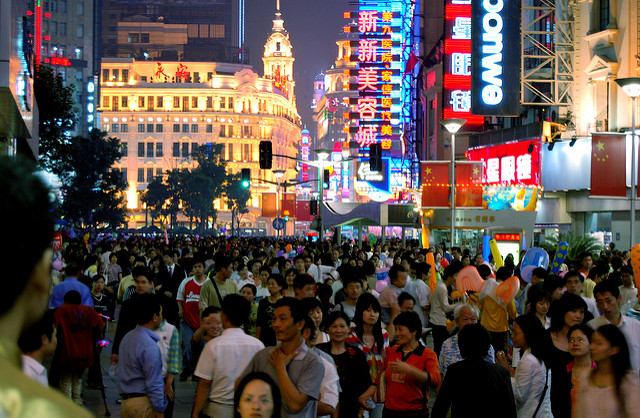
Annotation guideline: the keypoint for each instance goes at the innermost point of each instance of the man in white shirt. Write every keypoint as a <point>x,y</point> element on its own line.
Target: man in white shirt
<point>440,307</point>
<point>223,359</point>
<point>574,283</point>
<point>628,292</point>
<point>609,301</point>
<point>37,344</point>
<point>330,388</point>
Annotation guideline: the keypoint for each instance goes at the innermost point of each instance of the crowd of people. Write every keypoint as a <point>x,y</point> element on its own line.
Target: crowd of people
<point>293,328</point>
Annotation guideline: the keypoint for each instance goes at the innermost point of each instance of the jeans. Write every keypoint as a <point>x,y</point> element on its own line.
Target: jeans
<point>186,332</point>
<point>71,384</point>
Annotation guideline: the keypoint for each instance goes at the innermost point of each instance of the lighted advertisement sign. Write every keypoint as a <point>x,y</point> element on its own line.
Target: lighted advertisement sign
<point>381,186</point>
<point>305,146</point>
<point>456,83</point>
<point>509,164</point>
<point>379,180</point>
<point>510,198</point>
<point>495,30</point>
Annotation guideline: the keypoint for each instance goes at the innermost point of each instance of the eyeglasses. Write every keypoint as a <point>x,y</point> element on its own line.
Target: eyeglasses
<point>577,340</point>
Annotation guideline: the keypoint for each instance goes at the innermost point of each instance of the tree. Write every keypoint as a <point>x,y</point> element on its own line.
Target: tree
<point>57,119</point>
<point>94,194</point>
<point>578,244</point>
<point>237,198</point>
<point>156,197</point>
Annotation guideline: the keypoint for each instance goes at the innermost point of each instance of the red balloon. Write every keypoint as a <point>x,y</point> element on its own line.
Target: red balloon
<point>508,289</point>
<point>469,280</point>
<point>56,243</point>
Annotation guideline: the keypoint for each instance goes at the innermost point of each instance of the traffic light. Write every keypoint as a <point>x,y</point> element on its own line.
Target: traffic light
<point>375,157</point>
<point>245,178</point>
<point>266,155</point>
<point>325,179</point>
<point>313,207</point>
<point>286,218</point>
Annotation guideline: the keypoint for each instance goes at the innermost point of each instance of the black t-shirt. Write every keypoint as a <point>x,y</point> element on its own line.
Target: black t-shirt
<point>265,322</point>
<point>103,305</point>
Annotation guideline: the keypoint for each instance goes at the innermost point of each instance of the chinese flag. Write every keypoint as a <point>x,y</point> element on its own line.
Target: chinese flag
<point>303,211</point>
<point>469,184</point>
<point>608,165</point>
<point>288,205</point>
<point>434,177</point>
<point>269,205</point>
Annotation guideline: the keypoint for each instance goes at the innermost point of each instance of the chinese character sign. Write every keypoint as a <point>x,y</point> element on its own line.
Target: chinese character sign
<point>509,164</point>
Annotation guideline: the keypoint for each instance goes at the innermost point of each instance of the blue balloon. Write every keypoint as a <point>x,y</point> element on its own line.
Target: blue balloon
<point>536,257</point>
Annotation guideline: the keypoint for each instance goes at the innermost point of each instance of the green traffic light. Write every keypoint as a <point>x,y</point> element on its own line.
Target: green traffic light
<point>245,184</point>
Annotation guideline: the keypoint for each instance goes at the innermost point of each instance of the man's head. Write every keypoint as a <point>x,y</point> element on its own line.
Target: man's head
<point>167,257</point>
<point>608,298</point>
<point>352,287</point>
<point>406,302</point>
<point>586,261</point>
<point>465,314</point>
<point>538,275</point>
<point>450,274</point>
<point>598,273</point>
<point>304,286</point>
<point>474,341</point>
<point>265,272</point>
<point>224,267</point>
<point>139,262</point>
<point>235,311</point>
<point>41,336</point>
<point>398,276</point>
<point>211,319</point>
<point>141,278</point>
<point>308,260</point>
<point>288,319</point>
<point>313,308</point>
<point>309,332</point>
<point>574,281</point>
<point>148,311</point>
<point>198,269</point>
<point>299,265</point>
<point>626,273</point>
<point>456,253</point>
<point>72,297</point>
<point>553,285</point>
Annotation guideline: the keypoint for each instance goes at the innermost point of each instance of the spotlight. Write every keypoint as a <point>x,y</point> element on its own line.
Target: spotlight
<point>551,145</point>
<point>530,149</point>
<point>573,141</point>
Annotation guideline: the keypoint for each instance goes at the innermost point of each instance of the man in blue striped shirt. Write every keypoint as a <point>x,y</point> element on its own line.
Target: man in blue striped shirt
<point>140,365</point>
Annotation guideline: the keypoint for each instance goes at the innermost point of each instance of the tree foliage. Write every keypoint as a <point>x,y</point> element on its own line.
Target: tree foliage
<point>93,192</point>
<point>56,119</point>
<point>578,244</point>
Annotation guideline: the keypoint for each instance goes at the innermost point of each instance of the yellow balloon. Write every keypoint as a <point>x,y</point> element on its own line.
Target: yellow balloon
<point>495,252</point>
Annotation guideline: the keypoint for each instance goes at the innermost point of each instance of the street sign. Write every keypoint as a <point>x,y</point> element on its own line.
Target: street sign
<point>279,223</point>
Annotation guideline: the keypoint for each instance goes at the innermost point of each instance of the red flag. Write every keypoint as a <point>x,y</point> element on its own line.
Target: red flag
<point>411,62</point>
<point>608,165</point>
<point>269,205</point>
<point>469,184</point>
<point>288,205</point>
<point>435,184</point>
<point>303,211</point>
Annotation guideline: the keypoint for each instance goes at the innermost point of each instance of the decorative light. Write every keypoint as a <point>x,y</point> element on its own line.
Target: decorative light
<point>630,85</point>
<point>453,125</point>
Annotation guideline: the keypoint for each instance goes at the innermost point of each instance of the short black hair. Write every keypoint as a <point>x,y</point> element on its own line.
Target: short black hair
<point>209,310</point>
<point>31,338</point>
<point>73,297</point>
<point>394,270</point>
<point>586,330</point>
<point>351,279</point>
<point>251,287</point>
<point>405,296</point>
<point>553,282</point>
<point>503,273</point>
<point>310,325</point>
<point>310,304</point>
<point>474,341</point>
<point>147,305</point>
<point>540,273</point>
<point>279,279</point>
<point>606,286</point>
<point>484,271</point>
<point>265,268</point>
<point>302,280</point>
<point>236,308</point>
<point>97,277</point>
<point>626,270</point>
<point>450,271</point>
<point>573,273</point>
<point>139,271</point>
<point>295,306</point>
<point>410,320</point>
<point>222,262</point>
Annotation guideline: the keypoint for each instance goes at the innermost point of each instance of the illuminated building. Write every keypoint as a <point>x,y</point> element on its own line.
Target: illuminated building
<point>19,110</point>
<point>162,110</point>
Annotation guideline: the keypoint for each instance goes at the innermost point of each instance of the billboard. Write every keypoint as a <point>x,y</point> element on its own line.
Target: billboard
<point>509,164</point>
<point>495,46</point>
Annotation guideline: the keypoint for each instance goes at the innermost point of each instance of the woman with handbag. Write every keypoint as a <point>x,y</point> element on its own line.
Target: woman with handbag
<point>531,380</point>
<point>367,334</point>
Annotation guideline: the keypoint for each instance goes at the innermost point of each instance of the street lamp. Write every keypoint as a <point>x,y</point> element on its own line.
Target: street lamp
<point>631,87</point>
<point>323,155</point>
<point>453,126</point>
<point>278,174</point>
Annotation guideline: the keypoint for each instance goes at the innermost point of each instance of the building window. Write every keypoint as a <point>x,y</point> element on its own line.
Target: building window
<point>124,149</point>
<point>159,127</point>
<point>140,127</point>
<point>140,101</point>
<point>209,128</point>
<point>125,76</point>
<point>160,102</point>
<point>185,128</point>
<point>80,8</point>
<point>176,102</point>
<point>231,103</point>
<point>209,76</point>
<point>80,31</point>
<point>196,77</point>
<point>176,149</point>
<point>105,75</point>
<point>149,174</point>
<point>133,38</point>
<point>185,149</point>
<point>149,149</point>
<point>107,127</point>
<point>149,127</point>
<point>140,149</point>
<point>194,148</point>
<point>141,175</point>
<point>604,14</point>
<point>124,127</point>
<point>209,102</point>
<point>246,152</point>
<point>194,128</point>
<point>79,55</point>
<point>123,170</point>
<point>223,103</point>
<point>144,38</point>
<point>194,102</point>
<point>125,101</point>
<point>63,6</point>
<point>176,127</point>
<point>53,27</point>
<point>159,151</point>
<point>223,131</point>
<point>115,74</point>
<point>159,173</point>
<point>231,152</point>
<point>150,102</point>
<point>114,127</point>
<point>105,101</point>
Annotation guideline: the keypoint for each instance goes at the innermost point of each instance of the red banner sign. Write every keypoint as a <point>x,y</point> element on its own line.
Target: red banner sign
<point>509,164</point>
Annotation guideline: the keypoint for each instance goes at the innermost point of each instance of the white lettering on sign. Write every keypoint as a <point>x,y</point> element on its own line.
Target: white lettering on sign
<point>508,169</point>
<point>462,28</point>
<point>460,63</point>
<point>492,25</point>
<point>493,170</point>
<point>461,100</point>
<point>523,167</point>
<point>460,1</point>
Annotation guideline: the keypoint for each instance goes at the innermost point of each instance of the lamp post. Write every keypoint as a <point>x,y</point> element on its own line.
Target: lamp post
<point>453,126</point>
<point>323,155</point>
<point>278,174</point>
<point>631,87</point>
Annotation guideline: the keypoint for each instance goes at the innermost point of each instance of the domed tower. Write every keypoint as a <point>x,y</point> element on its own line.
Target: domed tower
<point>278,56</point>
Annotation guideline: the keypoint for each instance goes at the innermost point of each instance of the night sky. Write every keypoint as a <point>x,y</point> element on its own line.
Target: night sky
<point>313,26</point>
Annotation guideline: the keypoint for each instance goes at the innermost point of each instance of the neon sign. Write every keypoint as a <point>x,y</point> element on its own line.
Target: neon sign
<point>305,146</point>
<point>508,164</point>
<point>64,62</point>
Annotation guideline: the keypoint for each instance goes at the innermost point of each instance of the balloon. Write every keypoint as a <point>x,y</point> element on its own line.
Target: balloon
<point>381,285</point>
<point>288,248</point>
<point>57,265</point>
<point>497,258</point>
<point>558,259</point>
<point>469,280</point>
<point>635,263</point>
<point>425,234</point>
<point>56,243</point>
<point>444,263</point>
<point>455,295</point>
<point>526,273</point>
<point>508,289</point>
<point>433,279</point>
<point>280,253</point>
<point>86,237</point>
<point>536,257</point>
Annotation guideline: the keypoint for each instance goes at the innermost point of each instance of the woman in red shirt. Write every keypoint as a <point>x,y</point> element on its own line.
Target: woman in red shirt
<point>409,369</point>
